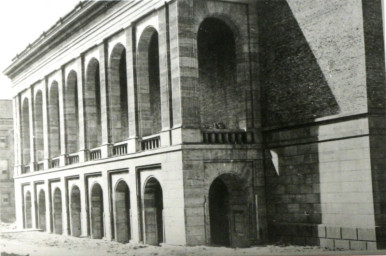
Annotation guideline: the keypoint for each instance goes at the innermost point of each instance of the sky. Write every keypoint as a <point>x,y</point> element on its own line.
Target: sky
<point>21,23</point>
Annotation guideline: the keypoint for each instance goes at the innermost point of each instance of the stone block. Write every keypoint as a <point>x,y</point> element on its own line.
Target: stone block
<point>333,232</point>
<point>371,246</point>
<point>326,243</point>
<point>358,245</point>
<point>349,233</point>
<point>342,244</point>
<point>322,231</point>
<point>366,234</point>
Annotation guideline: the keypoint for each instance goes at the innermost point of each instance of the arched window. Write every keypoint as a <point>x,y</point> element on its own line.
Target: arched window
<point>54,121</point>
<point>220,104</point>
<point>149,83</point>
<point>92,100</point>
<point>75,212</point>
<point>38,119</point>
<point>122,212</point>
<point>118,94</point>
<point>71,114</point>
<point>97,221</point>
<point>25,132</point>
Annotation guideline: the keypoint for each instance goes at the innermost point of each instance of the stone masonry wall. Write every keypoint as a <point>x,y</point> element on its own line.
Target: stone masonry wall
<point>319,185</point>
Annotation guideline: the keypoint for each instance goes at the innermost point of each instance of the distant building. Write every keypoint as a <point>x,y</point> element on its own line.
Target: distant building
<point>7,195</point>
<point>232,122</point>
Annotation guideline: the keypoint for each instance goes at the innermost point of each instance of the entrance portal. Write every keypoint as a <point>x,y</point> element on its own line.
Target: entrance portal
<point>97,225</point>
<point>75,212</point>
<point>58,228</point>
<point>122,212</point>
<point>42,210</point>
<point>229,211</point>
<point>219,213</point>
<point>153,209</point>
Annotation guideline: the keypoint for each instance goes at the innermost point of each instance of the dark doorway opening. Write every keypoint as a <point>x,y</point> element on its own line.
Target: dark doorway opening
<point>75,212</point>
<point>58,226</point>
<point>97,222</point>
<point>122,212</point>
<point>153,208</point>
<point>219,213</point>
<point>42,210</point>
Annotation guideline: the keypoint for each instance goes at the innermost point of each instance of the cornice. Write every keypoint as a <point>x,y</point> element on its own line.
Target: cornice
<point>80,16</point>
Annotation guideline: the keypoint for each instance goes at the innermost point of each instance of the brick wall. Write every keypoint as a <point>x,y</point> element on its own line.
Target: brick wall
<point>319,185</point>
<point>312,59</point>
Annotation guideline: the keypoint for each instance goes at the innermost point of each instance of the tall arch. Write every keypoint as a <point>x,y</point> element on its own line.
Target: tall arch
<point>54,121</point>
<point>122,212</point>
<point>71,114</point>
<point>38,126</point>
<point>92,99</point>
<point>221,100</point>
<point>42,210</point>
<point>58,212</point>
<point>153,208</point>
<point>28,210</point>
<point>118,94</point>
<point>149,95</point>
<point>75,212</point>
<point>25,132</point>
<point>229,211</point>
<point>97,220</point>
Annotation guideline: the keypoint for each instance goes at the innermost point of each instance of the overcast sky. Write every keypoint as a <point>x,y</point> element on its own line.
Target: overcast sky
<point>21,22</point>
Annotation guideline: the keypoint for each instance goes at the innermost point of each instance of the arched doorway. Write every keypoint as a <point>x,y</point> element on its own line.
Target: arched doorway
<point>42,210</point>
<point>75,212</point>
<point>122,212</point>
<point>229,211</point>
<point>97,220</point>
<point>149,93</point>
<point>219,213</point>
<point>118,95</point>
<point>221,99</point>
<point>28,210</point>
<point>153,212</point>
<point>58,225</point>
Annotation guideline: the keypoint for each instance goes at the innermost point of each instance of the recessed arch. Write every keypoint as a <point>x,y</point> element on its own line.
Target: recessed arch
<point>228,211</point>
<point>97,220</point>
<point>122,212</point>
<point>92,99</point>
<point>153,209</point>
<point>42,210</point>
<point>28,210</point>
<point>221,100</point>
<point>54,120</point>
<point>75,211</point>
<point>118,110</point>
<point>58,211</point>
<point>71,114</point>
<point>149,92</point>
<point>25,132</point>
<point>38,126</point>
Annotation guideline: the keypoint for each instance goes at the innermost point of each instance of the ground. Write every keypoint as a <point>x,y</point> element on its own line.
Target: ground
<point>35,243</point>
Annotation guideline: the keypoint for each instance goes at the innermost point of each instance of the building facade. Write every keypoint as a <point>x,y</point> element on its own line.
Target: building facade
<point>7,195</point>
<point>205,122</point>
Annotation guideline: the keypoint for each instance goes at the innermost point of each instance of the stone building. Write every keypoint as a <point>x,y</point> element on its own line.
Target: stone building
<point>7,195</point>
<point>232,122</point>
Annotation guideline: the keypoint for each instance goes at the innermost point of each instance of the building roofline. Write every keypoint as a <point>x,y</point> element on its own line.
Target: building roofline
<point>63,28</point>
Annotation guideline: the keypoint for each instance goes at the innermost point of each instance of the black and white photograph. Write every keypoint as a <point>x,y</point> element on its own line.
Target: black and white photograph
<point>192,127</point>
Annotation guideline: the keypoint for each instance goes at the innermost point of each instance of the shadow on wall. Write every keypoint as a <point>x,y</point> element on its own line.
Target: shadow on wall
<point>294,88</point>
